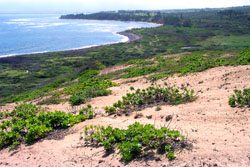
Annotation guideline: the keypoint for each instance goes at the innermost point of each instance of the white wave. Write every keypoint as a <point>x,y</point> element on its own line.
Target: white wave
<point>9,55</point>
<point>124,38</point>
<point>37,26</point>
<point>20,20</point>
<point>42,25</point>
<point>20,23</point>
<point>101,30</point>
<point>18,54</point>
<point>131,27</point>
<point>97,24</point>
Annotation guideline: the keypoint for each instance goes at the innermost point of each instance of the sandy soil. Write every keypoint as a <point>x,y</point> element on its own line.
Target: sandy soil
<point>220,134</point>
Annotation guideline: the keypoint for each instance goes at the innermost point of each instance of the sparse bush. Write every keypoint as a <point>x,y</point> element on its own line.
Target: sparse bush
<point>240,98</point>
<point>88,89</point>
<point>28,123</point>
<point>150,96</point>
<point>243,58</point>
<point>110,110</point>
<point>158,108</point>
<point>135,141</point>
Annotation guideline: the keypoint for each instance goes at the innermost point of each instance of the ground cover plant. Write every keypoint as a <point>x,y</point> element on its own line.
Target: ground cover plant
<point>135,141</point>
<point>240,98</point>
<point>161,66</point>
<point>27,123</point>
<point>89,89</point>
<point>88,86</point>
<point>152,95</point>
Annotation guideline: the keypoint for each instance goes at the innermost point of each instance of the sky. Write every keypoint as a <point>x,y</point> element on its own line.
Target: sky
<point>106,5</point>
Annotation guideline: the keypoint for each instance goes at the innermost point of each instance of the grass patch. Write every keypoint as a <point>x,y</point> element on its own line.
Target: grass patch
<point>232,41</point>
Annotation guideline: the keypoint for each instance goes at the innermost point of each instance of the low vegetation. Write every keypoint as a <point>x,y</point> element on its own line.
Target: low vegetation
<point>88,89</point>
<point>88,86</point>
<point>136,141</point>
<point>27,123</point>
<point>152,95</point>
<point>240,98</point>
<point>182,64</point>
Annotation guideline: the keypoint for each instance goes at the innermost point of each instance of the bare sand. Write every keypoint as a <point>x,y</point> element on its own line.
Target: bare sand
<point>220,134</point>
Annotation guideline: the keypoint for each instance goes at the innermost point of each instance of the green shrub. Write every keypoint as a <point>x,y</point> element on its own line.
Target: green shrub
<point>91,92</point>
<point>28,123</point>
<point>87,111</point>
<point>136,72</point>
<point>158,108</point>
<point>87,74</point>
<point>243,58</point>
<point>240,98</point>
<point>151,96</point>
<point>137,140</point>
<point>90,88</point>
<point>39,92</point>
<point>77,99</point>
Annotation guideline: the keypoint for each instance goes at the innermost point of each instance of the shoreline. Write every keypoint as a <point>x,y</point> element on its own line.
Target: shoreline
<point>127,38</point>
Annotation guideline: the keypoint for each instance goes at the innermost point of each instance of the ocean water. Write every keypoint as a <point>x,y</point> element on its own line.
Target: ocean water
<point>35,33</point>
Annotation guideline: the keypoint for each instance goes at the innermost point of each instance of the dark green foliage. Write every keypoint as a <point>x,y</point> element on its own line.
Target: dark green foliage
<point>137,140</point>
<point>30,95</point>
<point>136,72</point>
<point>157,17</point>
<point>88,74</point>
<point>87,89</point>
<point>184,64</point>
<point>195,63</point>
<point>158,108</point>
<point>110,110</point>
<point>151,96</point>
<point>87,111</point>
<point>28,123</point>
<point>243,58</point>
<point>240,98</point>
<point>82,96</point>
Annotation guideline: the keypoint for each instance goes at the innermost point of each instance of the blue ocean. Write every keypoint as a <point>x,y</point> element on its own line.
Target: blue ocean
<point>36,33</point>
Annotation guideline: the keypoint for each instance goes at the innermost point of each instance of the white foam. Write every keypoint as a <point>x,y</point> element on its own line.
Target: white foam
<point>9,55</point>
<point>18,54</point>
<point>124,39</point>
<point>20,20</point>
<point>98,24</point>
<point>20,23</point>
<point>42,25</point>
<point>104,29</point>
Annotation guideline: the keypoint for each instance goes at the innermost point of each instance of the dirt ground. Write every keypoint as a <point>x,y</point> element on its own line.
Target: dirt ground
<point>220,134</point>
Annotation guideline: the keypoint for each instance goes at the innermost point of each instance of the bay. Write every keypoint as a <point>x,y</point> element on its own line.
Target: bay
<point>37,33</point>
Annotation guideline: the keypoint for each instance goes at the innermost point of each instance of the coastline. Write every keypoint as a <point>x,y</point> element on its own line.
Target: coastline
<point>127,38</point>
